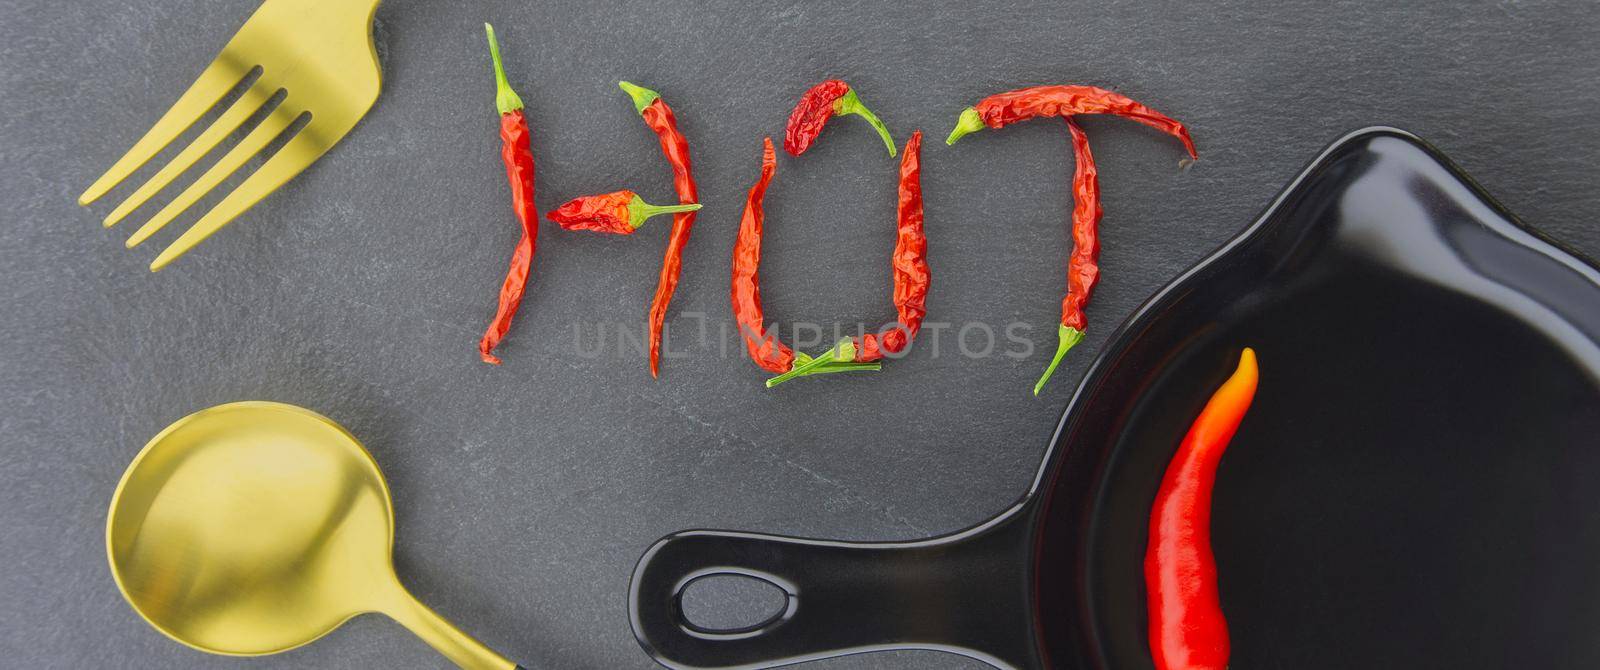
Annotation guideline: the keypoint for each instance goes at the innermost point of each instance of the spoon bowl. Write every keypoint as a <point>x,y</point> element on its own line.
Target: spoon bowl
<point>254,528</point>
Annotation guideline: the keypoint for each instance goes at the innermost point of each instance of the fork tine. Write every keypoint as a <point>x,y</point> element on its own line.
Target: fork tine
<point>252,101</point>
<point>298,153</point>
<point>218,78</point>
<point>252,144</point>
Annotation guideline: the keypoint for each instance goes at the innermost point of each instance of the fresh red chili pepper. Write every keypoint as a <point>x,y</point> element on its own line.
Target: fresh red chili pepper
<point>517,153</point>
<point>1187,629</point>
<point>763,345</point>
<point>822,102</point>
<point>1002,109</point>
<point>911,278</point>
<point>659,117</point>
<point>618,213</point>
<point>1083,272</point>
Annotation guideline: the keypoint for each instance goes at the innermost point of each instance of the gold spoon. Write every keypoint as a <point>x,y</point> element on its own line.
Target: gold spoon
<point>256,527</point>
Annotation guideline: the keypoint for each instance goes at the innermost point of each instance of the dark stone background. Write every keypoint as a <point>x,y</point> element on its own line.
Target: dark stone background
<point>525,493</point>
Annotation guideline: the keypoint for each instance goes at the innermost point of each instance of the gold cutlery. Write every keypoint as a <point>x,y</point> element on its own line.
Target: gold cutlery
<point>318,52</point>
<point>254,528</point>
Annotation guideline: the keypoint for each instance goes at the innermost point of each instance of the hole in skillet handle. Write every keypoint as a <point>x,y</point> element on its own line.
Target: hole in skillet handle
<point>733,604</point>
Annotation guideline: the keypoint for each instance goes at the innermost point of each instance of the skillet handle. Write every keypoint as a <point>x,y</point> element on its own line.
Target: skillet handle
<point>965,593</point>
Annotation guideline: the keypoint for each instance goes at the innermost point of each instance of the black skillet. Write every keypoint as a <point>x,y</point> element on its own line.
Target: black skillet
<point>1416,486</point>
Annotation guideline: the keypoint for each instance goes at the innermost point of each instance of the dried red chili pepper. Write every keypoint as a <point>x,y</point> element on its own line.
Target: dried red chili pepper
<point>517,153</point>
<point>1187,628</point>
<point>1083,272</point>
<point>1083,268</point>
<point>659,117</point>
<point>745,293</point>
<point>911,278</point>
<point>822,102</point>
<point>764,347</point>
<point>1003,109</point>
<point>618,213</point>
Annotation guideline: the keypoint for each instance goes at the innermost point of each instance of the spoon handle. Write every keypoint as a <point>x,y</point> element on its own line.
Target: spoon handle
<point>443,636</point>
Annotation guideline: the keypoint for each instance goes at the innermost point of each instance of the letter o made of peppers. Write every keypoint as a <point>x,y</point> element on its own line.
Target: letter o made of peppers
<point>910,265</point>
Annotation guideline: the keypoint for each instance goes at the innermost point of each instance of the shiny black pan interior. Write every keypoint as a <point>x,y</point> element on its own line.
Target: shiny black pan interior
<point>1418,482</point>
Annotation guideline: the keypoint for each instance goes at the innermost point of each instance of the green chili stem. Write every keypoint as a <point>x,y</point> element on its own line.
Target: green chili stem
<point>1070,337</point>
<point>850,103</point>
<point>969,122</point>
<point>847,367</point>
<point>642,97</point>
<point>842,354</point>
<point>800,358</point>
<point>800,370</point>
<point>504,98</point>
<point>639,211</point>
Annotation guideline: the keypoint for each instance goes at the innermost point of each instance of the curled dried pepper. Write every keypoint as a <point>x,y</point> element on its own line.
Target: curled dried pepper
<point>1187,628</point>
<point>820,103</point>
<point>911,278</point>
<point>745,293</point>
<point>1083,272</point>
<point>517,154</point>
<point>618,213</point>
<point>659,117</point>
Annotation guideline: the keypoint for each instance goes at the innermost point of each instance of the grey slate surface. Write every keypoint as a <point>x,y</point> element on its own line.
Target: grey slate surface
<point>525,493</point>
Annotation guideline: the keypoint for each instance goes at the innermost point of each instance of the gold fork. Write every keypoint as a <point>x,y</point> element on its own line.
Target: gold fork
<point>318,52</point>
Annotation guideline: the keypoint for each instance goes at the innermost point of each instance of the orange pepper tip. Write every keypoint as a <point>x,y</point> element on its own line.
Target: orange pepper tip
<point>969,122</point>
<point>1070,337</point>
<point>1248,373</point>
<point>642,97</point>
<point>1231,400</point>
